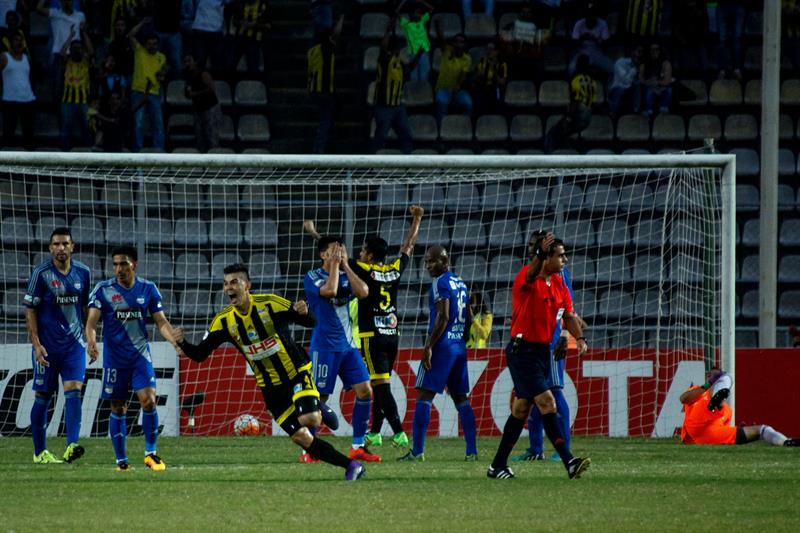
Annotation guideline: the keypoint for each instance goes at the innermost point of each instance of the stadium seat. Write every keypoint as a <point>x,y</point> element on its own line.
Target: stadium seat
<point>417,93</point>
<point>12,305</point>
<point>785,197</point>
<point>46,126</point>
<point>188,194</point>
<point>169,302</point>
<point>633,128</point>
<point>94,263</point>
<point>635,197</point>
<point>613,268</point>
<point>391,135</point>
<point>197,303</point>
<point>725,92</point>
<point>424,151</point>
<point>409,304</point>
<point>192,266</point>
<point>264,267</point>
<point>456,128</point>
<point>532,197</point>
<point>468,233</point>
<point>185,150</point>
<point>176,94</point>
<point>471,267</point>
<point>750,233</point>
<point>504,267</point>
<point>646,304</point>
<point>647,267</point>
<point>554,93</point>
<point>225,231</point>
<point>370,62</point>
<point>790,233</point>
<point>394,229</point>
<point>698,87</point>
<point>686,232</point>
<point>746,338</point>
<point>393,196</point>
<point>261,232</point>
<point>747,198</point>
<point>741,128</point>
<point>16,266</point>
<point>120,231</point>
<point>87,230</point>
<point>789,305</point>
<point>431,231</point>
<point>585,302</point>
<point>464,197</point>
<point>753,58</point>
<point>501,303</point>
<point>498,197</point>
<point>250,93</point>
<point>429,196</point>
<point>226,131</point>
<point>613,232</point>
<point>520,93</point>
<point>567,197</point>
<point>615,304</point>
<point>423,128</point>
<point>373,25</point>
<point>526,128</point>
<point>46,193</point>
<point>554,59</point>
<point>253,128</point>
<point>153,195</point>
<point>223,92</point>
<point>480,26</point>
<point>752,93</point>
<point>786,127</point>
<point>579,233</point>
<point>180,127</point>
<point>750,269</point>
<point>156,266</point>
<point>505,232</point>
<point>681,270</point>
<point>530,151</point>
<point>648,232</point>
<point>600,129</point>
<point>790,93</point>
<point>258,194</point>
<point>601,198</point>
<point>220,260</point>
<point>786,167</point>
<point>191,231</point>
<point>669,128</point>
<point>539,223</point>
<point>747,163</point>
<point>450,23</point>
<point>45,226</point>
<point>80,194</point>
<point>491,128</point>
<point>704,126</point>
<point>156,230</point>
<point>13,192</point>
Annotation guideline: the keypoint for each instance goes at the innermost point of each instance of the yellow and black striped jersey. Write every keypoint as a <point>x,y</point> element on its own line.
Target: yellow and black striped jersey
<point>76,82</point>
<point>389,80</point>
<point>643,17</point>
<point>489,72</point>
<point>321,65</point>
<point>262,336</point>
<point>583,90</point>
<point>377,313</point>
<point>252,11</point>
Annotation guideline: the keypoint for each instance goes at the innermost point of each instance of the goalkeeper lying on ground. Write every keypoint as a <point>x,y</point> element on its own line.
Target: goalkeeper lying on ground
<point>707,417</point>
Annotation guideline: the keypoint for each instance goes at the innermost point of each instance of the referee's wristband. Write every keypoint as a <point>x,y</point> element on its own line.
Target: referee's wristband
<point>582,339</point>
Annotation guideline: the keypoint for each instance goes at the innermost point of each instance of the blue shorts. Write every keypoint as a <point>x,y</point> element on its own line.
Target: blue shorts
<point>556,380</point>
<point>448,367</point>
<point>118,382</point>
<point>529,365</point>
<point>70,366</point>
<point>348,365</point>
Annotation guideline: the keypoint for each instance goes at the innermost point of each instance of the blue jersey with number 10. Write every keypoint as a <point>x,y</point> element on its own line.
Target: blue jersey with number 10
<point>450,287</point>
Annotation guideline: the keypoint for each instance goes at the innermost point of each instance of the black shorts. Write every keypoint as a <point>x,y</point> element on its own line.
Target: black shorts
<point>287,402</point>
<point>529,365</point>
<point>379,353</point>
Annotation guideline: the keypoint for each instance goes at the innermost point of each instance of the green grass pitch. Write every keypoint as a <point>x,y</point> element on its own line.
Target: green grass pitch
<point>256,484</point>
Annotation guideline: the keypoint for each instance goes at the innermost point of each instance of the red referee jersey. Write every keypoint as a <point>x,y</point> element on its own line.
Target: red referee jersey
<point>535,307</point>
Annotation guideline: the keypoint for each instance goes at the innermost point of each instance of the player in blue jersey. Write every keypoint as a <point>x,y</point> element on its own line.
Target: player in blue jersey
<point>333,350</point>
<point>125,302</point>
<point>444,357</point>
<point>55,302</point>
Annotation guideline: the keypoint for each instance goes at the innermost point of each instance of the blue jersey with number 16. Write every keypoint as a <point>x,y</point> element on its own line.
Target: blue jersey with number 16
<point>450,287</point>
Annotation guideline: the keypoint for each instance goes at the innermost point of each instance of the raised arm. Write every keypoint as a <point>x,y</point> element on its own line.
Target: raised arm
<point>134,31</point>
<point>310,228</point>
<point>199,352</point>
<point>536,262</point>
<point>411,238</point>
<point>331,265</point>
<point>360,287</point>
<point>691,395</point>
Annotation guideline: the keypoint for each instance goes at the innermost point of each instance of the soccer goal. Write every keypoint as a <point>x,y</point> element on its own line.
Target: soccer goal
<point>650,241</point>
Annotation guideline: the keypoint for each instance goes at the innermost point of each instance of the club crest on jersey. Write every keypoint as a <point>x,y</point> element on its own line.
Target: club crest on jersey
<point>297,388</point>
<point>77,285</point>
<point>140,300</point>
<point>252,335</point>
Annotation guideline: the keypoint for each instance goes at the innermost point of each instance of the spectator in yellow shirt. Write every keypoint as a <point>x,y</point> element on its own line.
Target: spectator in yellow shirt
<point>453,73</point>
<point>149,65</point>
<point>481,327</point>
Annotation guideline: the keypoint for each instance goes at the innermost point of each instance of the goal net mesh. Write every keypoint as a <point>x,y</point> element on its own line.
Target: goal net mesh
<point>643,245</point>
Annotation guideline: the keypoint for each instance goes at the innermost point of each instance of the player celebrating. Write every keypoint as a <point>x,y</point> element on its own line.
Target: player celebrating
<point>537,302</point>
<point>258,326</point>
<point>444,356</point>
<point>707,416</point>
<point>124,303</point>
<point>56,300</point>
<point>333,350</point>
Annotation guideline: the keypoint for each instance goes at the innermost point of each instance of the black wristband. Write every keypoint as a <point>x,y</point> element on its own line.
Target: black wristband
<point>582,339</point>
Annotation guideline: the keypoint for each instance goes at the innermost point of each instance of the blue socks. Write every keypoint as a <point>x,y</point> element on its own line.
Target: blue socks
<point>422,417</point>
<point>361,412</point>
<point>150,429</point>
<point>468,424</point>
<point>39,423</point>
<point>118,432</point>
<point>72,414</point>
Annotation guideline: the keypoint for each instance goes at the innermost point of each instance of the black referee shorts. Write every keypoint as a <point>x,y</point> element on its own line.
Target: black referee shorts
<point>529,364</point>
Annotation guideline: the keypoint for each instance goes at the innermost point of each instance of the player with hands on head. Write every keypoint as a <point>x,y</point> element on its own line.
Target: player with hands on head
<point>55,304</point>
<point>258,326</point>
<point>124,303</point>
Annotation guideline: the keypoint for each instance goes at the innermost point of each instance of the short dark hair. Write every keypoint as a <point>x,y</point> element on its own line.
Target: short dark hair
<point>377,246</point>
<point>130,251</point>
<point>236,268</point>
<point>556,242</point>
<point>61,231</point>
<point>324,242</point>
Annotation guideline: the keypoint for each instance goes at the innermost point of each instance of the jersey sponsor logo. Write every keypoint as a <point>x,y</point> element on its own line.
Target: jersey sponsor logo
<point>388,321</point>
<point>262,350</point>
<point>385,277</point>
<point>127,315</point>
<point>338,302</point>
<point>68,299</point>
<point>384,331</point>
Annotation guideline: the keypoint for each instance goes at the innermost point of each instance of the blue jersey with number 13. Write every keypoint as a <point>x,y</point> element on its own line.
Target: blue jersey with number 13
<point>450,287</point>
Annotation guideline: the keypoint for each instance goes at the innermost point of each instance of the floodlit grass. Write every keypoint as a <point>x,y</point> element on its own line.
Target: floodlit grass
<point>256,483</point>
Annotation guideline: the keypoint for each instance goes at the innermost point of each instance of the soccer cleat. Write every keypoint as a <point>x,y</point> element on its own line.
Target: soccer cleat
<point>123,466</point>
<point>411,457</point>
<point>528,456</point>
<point>354,471</point>
<point>73,452</point>
<point>400,440</point>
<point>791,443</point>
<point>555,457</point>
<point>577,466</point>
<point>306,457</point>
<point>362,454</point>
<point>46,458</point>
<point>154,462</point>
<point>373,439</point>
<point>471,458</point>
<point>716,400</point>
<point>501,473</point>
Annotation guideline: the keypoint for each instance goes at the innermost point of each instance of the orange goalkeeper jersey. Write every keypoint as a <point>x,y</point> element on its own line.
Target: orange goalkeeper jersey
<point>701,426</point>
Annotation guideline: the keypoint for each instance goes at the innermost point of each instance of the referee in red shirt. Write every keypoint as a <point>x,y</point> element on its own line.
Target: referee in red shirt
<point>539,298</point>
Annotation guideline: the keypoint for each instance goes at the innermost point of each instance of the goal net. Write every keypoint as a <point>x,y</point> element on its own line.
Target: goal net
<point>649,243</point>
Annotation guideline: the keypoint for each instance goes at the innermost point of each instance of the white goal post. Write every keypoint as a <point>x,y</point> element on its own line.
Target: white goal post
<point>675,210</point>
